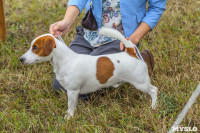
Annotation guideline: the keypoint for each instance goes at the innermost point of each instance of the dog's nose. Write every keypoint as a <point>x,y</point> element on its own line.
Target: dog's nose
<point>21,59</point>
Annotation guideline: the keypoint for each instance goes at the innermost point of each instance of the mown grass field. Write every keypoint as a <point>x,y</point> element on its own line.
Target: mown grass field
<point>29,104</point>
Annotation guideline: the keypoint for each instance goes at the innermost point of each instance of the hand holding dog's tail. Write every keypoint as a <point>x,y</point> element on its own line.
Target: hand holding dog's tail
<point>130,48</point>
<point>117,35</point>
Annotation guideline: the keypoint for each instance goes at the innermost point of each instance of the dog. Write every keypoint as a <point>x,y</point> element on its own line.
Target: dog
<point>81,74</point>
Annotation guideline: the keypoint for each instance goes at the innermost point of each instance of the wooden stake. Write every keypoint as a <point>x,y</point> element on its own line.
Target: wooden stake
<point>2,22</point>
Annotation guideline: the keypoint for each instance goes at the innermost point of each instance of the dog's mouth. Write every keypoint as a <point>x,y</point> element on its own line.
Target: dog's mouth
<point>36,61</point>
<point>31,62</point>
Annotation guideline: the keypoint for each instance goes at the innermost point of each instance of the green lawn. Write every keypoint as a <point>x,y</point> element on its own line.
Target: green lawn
<point>29,104</point>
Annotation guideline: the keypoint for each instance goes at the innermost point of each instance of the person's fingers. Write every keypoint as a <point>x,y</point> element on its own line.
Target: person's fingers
<point>51,28</point>
<point>121,46</point>
<point>134,50</point>
<point>59,28</point>
<point>56,34</point>
<point>64,31</point>
<point>56,29</point>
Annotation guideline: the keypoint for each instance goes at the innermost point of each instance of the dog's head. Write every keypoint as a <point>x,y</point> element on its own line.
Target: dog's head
<point>41,50</point>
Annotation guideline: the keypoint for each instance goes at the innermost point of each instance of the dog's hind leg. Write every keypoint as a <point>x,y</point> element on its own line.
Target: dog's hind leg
<point>72,102</point>
<point>147,88</point>
<point>153,92</point>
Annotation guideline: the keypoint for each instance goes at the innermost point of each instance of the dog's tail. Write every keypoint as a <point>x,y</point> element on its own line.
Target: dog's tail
<point>117,35</point>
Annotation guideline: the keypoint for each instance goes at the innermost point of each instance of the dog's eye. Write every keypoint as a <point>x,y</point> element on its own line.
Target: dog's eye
<point>35,47</point>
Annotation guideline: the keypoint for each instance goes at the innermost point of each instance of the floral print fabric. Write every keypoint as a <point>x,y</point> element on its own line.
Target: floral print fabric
<point>111,18</point>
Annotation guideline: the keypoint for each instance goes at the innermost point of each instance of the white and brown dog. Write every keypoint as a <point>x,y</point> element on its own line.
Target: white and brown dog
<point>81,74</point>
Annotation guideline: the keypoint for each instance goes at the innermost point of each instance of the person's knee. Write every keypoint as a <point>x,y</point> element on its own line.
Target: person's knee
<point>74,48</point>
<point>110,48</point>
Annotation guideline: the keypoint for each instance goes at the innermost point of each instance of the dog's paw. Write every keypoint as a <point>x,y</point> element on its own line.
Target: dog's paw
<point>68,117</point>
<point>153,106</point>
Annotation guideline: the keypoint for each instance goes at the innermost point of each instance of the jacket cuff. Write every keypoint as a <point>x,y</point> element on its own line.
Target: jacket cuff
<point>80,4</point>
<point>152,18</point>
<point>154,13</point>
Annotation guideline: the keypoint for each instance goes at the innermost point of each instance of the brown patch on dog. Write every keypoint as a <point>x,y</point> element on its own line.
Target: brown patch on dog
<point>130,51</point>
<point>105,69</point>
<point>118,61</point>
<point>43,46</point>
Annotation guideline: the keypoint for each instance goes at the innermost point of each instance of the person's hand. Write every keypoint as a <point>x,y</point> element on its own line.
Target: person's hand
<point>60,27</point>
<point>122,46</point>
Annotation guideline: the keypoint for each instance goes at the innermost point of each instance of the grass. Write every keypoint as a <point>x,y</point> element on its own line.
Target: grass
<point>29,104</point>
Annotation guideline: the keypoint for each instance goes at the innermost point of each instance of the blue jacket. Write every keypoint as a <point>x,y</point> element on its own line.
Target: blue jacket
<point>133,12</point>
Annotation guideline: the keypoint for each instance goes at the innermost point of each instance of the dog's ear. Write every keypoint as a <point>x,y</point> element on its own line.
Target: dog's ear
<point>49,45</point>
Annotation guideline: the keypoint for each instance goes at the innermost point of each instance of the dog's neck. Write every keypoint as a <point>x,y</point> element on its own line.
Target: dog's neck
<point>61,55</point>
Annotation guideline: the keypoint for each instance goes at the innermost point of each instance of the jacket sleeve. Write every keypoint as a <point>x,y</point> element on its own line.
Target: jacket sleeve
<point>78,3</point>
<point>154,12</point>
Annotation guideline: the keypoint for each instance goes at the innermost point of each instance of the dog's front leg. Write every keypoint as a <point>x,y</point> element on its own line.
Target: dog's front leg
<point>72,102</point>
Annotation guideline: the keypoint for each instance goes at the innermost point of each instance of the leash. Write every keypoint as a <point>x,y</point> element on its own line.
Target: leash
<point>138,53</point>
<point>60,38</point>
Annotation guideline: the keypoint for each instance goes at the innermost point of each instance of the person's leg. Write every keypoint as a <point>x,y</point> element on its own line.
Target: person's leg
<point>109,48</point>
<point>79,44</point>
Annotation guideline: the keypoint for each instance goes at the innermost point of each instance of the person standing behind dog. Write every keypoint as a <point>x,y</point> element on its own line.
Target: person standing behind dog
<point>127,16</point>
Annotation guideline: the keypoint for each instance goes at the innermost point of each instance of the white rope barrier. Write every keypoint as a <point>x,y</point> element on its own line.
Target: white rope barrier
<point>185,110</point>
